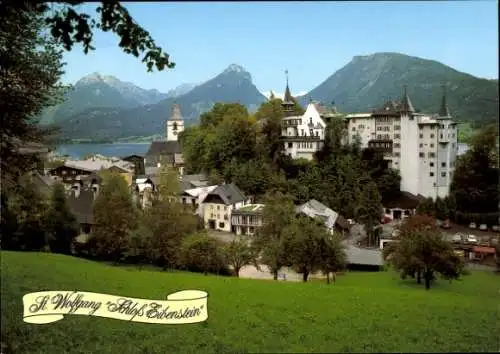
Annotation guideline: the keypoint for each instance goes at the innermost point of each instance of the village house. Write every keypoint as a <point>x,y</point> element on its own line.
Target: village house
<point>81,203</point>
<point>168,152</point>
<point>247,219</point>
<point>219,204</point>
<point>332,220</point>
<point>143,189</point>
<point>138,162</point>
<point>193,198</point>
<point>75,170</point>
<point>401,206</point>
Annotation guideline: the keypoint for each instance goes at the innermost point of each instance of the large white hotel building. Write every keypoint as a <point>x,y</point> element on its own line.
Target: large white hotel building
<point>422,147</point>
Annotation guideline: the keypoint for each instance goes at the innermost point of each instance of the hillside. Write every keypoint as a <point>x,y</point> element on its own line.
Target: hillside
<point>362,312</point>
<point>366,82</point>
<point>234,84</point>
<point>100,91</point>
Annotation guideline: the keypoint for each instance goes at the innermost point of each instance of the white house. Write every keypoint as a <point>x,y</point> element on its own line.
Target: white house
<point>247,219</point>
<point>195,196</point>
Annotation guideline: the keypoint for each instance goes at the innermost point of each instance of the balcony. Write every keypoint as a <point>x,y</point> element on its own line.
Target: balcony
<point>443,137</point>
<point>302,138</point>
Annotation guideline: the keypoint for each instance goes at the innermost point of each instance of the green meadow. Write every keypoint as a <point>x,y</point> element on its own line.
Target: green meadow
<point>362,312</point>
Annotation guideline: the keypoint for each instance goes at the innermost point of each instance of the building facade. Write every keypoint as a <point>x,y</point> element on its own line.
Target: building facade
<point>168,152</point>
<point>302,135</point>
<point>247,219</point>
<point>422,147</point>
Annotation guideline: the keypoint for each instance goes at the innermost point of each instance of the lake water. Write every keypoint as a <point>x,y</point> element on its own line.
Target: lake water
<point>78,151</point>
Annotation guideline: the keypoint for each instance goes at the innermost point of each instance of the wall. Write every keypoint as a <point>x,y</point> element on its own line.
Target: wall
<point>220,213</point>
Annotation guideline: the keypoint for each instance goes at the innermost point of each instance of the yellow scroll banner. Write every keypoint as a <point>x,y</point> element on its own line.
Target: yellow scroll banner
<point>182,307</point>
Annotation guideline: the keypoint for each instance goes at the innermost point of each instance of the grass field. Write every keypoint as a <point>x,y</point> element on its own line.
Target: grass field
<point>362,312</point>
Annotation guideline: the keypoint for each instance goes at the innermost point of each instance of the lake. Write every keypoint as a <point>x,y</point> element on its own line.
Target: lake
<point>78,151</point>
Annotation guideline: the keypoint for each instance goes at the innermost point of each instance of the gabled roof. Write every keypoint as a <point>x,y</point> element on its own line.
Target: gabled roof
<point>363,256</point>
<point>403,200</point>
<point>163,147</point>
<point>229,193</point>
<point>126,158</point>
<point>196,192</point>
<point>313,209</point>
<point>250,209</point>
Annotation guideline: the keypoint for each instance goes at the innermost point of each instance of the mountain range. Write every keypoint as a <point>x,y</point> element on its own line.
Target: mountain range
<point>103,107</point>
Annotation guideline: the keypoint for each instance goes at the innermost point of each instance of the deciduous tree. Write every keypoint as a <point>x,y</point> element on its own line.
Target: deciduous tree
<point>202,252</point>
<point>333,255</point>
<point>239,254</point>
<point>115,216</point>
<point>60,223</point>
<point>271,239</point>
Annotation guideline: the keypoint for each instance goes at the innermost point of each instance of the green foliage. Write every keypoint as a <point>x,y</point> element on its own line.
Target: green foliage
<point>333,257</point>
<point>24,217</point>
<point>60,223</point>
<point>115,216</point>
<point>427,207</point>
<point>421,250</point>
<point>238,254</point>
<point>202,252</point>
<point>271,239</point>
<point>236,306</point>
<point>475,180</point>
<point>31,67</point>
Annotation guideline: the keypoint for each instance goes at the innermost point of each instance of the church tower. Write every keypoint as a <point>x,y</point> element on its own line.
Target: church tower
<point>175,124</point>
<point>288,101</point>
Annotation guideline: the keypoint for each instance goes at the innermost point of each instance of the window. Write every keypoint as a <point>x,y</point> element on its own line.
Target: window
<point>379,128</point>
<point>432,127</point>
<point>353,137</point>
<point>311,132</point>
<point>431,164</point>
<point>396,154</point>
<point>317,133</point>
<point>397,136</point>
<point>183,200</point>
<point>443,164</point>
<point>421,145</point>
<point>290,145</point>
<point>452,145</point>
<point>432,136</point>
<point>432,145</point>
<point>302,132</point>
<point>225,217</point>
<point>421,136</point>
<point>397,127</point>
<point>221,225</point>
<point>397,145</point>
<point>432,155</point>
<point>379,137</point>
<point>441,136</point>
<point>218,207</point>
<point>421,154</point>
<point>443,174</point>
<point>310,121</point>
<point>431,174</point>
<point>353,129</point>
<point>225,208</point>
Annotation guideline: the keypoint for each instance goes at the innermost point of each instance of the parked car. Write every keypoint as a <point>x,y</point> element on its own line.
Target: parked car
<point>472,225</point>
<point>471,239</point>
<point>457,238</point>
<point>446,224</point>
<point>483,227</point>
<point>495,227</point>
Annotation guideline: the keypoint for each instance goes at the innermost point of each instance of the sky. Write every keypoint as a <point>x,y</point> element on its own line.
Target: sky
<point>309,39</point>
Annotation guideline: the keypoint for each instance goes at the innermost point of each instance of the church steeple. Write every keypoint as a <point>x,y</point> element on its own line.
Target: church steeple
<point>407,107</point>
<point>174,124</point>
<point>288,101</point>
<point>444,111</point>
